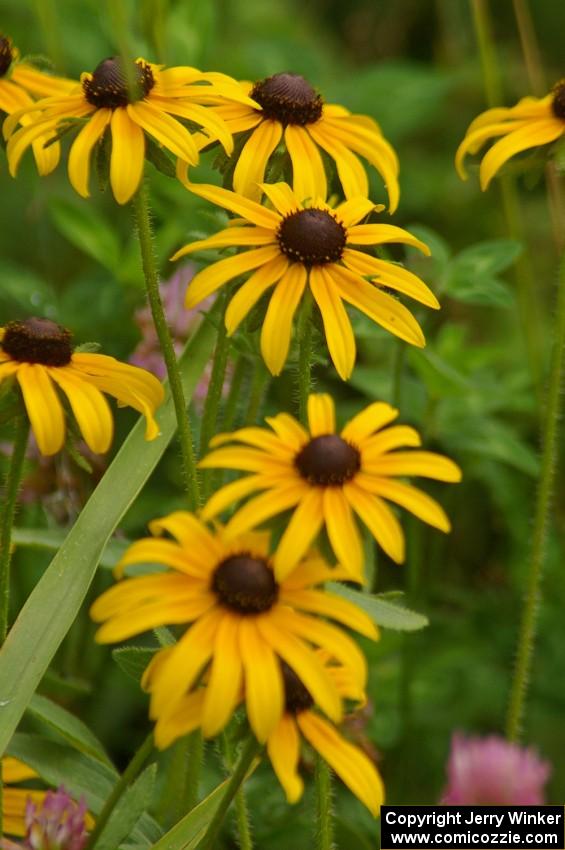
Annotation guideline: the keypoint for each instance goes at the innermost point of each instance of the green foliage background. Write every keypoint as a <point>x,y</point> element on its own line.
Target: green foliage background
<point>413,65</point>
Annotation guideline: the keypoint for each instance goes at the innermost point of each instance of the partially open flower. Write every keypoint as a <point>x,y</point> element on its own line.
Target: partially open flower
<point>39,354</point>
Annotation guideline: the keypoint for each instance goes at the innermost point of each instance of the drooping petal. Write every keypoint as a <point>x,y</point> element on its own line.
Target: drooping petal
<point>352,766</point>
<point>251,164</point>
<point>539,133</point>
<point>81,149</point>
<point>299,533</point>
<point>185,718</point>
<point>277,325</point>
<point>264,692</point>
<point>252,290</point>
<point>308,173</point>
<point>168,132</point>
<point>473,141</point>
<point>379,519</point>
<point>43,407</point>
<point>128,155</point>
<point>283,748</point>
<point>333,640</point>
<point>213,277</point>
<point>263,507</point>
<point>393,276</point>
<point>351,172</point>
<point>90,410</point>
<point>214,126</point>
<point>224,684</point>
<point>331,606</point>
<point>321,414</point>
<point>337,327</point>
<point>414,500</point>
<point>343,532</point>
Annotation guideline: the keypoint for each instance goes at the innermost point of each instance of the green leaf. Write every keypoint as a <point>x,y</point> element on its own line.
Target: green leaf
<point>488,258</point>
<point>87,230</point>
<point>52,606</point>
<point>51,539</point>
<point>159,158</point>
<point>188,832</point>
<point>471,275</point>
<point>134,802</point>
<point>81,775</point>
<point>382,610</point>
<point>68,726</point>
<point>133,659</point>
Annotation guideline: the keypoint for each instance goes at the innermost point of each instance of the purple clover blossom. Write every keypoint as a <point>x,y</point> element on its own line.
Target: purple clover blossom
<point>493,771</point>
<point>58,824</point>
<point>181,323</point>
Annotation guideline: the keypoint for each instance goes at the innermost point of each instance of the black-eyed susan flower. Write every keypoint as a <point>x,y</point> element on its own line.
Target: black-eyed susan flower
<point>15,800</point>
<point>299,718</point>
<point>39,354</point>
<point>242,621</point>
<point>531,123</point>
<point>19,80</point>
<point>294,246</point>
<point>285,108</point>
<point>327,478</point>
<point>157,104</point>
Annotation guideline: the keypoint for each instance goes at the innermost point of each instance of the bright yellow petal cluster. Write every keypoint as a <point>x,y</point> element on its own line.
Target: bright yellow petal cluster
<point>529,124</point>
<point>295,246</point>
<point>14,800</point>
<point>37,353</point>
<point>327,478</point>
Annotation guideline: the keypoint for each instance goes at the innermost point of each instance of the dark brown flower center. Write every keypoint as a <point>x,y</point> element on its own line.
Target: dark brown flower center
<point>558,102</point>
<point>313,237</point>
<point>6,54</point>
<point>245,584</point>
<point>38,341</point>
<point>328,460</point>
<point>297,697</point>
<point>108,86</point>
<point>288,98</point>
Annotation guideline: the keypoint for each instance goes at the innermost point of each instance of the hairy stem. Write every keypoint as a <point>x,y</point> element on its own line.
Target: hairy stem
<point>8,513</point>
<point>324,807</point>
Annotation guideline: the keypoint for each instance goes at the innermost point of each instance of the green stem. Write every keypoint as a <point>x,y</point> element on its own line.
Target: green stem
<point>234,395</point>
<point>130,773</point>
<point>215,387</point>
<point>250,751</point>
<point>259,381</point>
<point>527,635</point>
<point>398,372</point>
<point>145,234</point>
<point>9,504</point>
<point>195,754</point>
<point>324,808</point>
<point>243,823</point>
<point>528,305</point>
<point>304,355</point>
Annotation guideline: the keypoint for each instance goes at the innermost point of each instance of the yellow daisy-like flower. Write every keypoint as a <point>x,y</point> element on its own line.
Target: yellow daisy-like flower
<point>103,99</point>
<point>14,800</point>
<point>327,478</point>
<point>532,122</point>
<point>18,81</point>
<point>295,246</point>
<point>353,767</point>
<point>243,621</point>
<point>285,107</point>
<point>39,354</point>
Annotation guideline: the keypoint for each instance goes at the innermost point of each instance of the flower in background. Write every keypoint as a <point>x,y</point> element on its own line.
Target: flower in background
<point>38,353</point>
<point>532,122</point>
<point>240,620</point>
<point>493,771</point>
<point>15,800</point>
<point>182,323</point>
<point>295,246</point>
<point>327,478</point>
<point>56,824</point>
<point>19,80</point>
<point>156,101</point>
<point>286,107</point>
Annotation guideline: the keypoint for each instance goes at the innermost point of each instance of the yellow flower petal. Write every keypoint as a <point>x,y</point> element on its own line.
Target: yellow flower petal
<point>379,519</point>
<point>215,127</point>
<point>331,606</point>
<point>337,327</point>
<point>166,130</point>
<point>380,234</point>
<point>251,164</point>
<point>14,770</point>
<point>264,691</point>
<point>263,507</point>
<point>213,277</point>
<point>252,290</point>
<point>43,407</point>
<point>81,149</point>
<point>343,532</point>
<point>288,429</point>
<point>391,438</point>
<point>390,275</point>
<point>299,533</point>
<point>230,494</point>
<point>190,533</point>
<point>540,133</point>
<point>308,173</point>
<point>382,308</point>
<point>473,141</point>
<point>151,551</point>
<point>141,590</point>
<point>90,410</point>
<point>426,464</point>
<point>226,675</point>
<point>351,765</point>
<point>283,748</point>
<point>352,211</point>
<point>351,173</point>
<point>185,718</point>
<point>230,237</point>
<point>413,500</point>
<point>128,154</point>
<point>321,414</point>
<point>282,197</point>
<point>333,640</point>
<point>237,204</point>
<point>162,613</point>
<point>375,416</point>
<point>277,325</point>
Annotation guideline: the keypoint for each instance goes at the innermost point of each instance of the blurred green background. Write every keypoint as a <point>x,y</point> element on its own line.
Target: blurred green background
<point>414,66</point>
